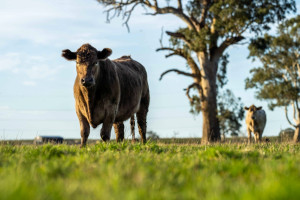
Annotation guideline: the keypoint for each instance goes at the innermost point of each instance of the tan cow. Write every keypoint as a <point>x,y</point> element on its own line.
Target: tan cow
<point>256,121</point>
<point>108,92</point>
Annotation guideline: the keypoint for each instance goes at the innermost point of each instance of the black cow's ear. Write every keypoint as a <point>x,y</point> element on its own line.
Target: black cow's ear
<point>69,55</point>
<point>246,108</point>
<point>259,108</point>
<point>104,53</point>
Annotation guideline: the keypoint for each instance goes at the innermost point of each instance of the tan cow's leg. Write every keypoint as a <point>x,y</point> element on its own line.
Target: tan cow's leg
<point>259,137</point>
<point>249,136</point>
<point>256,137</point>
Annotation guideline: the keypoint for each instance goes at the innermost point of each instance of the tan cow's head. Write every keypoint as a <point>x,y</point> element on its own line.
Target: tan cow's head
<point>87,62</point>
<point>252,110</point>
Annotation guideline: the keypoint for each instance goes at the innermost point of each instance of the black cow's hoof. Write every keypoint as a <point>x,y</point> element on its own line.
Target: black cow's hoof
<point>105,138</point>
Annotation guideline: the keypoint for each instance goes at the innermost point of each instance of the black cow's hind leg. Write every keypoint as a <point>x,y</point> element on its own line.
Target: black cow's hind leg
<point>119,130</point>
<point>142,117</point>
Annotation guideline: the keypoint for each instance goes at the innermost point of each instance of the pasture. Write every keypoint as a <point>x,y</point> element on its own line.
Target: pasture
<point>153,171</point>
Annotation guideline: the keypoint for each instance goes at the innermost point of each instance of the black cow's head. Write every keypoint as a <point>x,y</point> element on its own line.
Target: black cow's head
<point>87,62</point>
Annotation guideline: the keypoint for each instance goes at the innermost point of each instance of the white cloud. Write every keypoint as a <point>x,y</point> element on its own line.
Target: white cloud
<point>35,20</point>
<point>70,22</point>
<point>34,67</point>
<point>29,83</point>
<point>9,62</point>
<point>4,108</point>
<point>52,22</point>
<point>41,71</point>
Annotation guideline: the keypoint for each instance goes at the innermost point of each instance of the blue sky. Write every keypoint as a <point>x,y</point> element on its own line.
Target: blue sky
<point>36,83</point>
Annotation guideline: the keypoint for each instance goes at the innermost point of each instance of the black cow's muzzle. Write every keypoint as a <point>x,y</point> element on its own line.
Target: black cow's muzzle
<point>87,82</point>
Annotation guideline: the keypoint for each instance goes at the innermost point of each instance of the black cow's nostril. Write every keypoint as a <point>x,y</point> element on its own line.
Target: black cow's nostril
<point>88,81</point>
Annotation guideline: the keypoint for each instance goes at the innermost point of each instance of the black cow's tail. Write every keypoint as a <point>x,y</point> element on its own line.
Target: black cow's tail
<point>132,126</point>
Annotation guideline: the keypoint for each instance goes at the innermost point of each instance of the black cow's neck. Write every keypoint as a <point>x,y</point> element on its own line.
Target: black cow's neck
<point>92,93</point>
<point>103,78</point>
<point>88,94</point>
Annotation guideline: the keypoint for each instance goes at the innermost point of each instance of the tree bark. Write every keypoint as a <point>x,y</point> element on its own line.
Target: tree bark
<point>210,128</point>
<point>296,138</point>
<point>297,134</point>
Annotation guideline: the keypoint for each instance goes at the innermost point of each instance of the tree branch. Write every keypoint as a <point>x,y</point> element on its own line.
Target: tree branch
<point>297,64</point>
<point>119,7</point>
<point>226,43</point>
<point>170,10</point>
<point>127,15</point>
<point>191,62</point>
<point>200,90</point>
<point>206,6</point>
<point>287,117</point>
<point>298,67</point>
<point>294,112</point>
<point>179,4</point>
<point>178,50</point>
<point>179,36</point>
<point>178,72</point>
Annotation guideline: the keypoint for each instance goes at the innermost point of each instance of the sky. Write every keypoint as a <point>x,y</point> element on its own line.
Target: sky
<point>36,83</point>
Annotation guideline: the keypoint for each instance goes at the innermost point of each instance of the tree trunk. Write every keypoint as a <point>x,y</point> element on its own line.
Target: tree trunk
<point>297,134</point>
<point>297,131</point>
<point>211,128</point>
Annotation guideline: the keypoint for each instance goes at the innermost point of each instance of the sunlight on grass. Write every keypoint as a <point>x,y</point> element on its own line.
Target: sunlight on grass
<point>151,171</point>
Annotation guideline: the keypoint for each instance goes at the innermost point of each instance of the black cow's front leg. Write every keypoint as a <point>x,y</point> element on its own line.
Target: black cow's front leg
<point>84,128</point>
<point>106,128</point>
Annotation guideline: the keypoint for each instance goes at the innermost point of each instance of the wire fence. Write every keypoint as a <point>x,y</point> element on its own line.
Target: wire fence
<point>165,120</point>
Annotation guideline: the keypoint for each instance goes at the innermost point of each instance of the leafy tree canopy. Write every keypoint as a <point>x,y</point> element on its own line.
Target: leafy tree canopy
<point>278,80</point>
<point>208,20</point>
<point>230,113</point>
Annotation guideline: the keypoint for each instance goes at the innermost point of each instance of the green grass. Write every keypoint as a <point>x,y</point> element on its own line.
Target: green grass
<point>151,171</point>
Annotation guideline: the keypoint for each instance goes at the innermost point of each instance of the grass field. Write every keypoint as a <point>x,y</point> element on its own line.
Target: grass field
<point>151,171</point>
